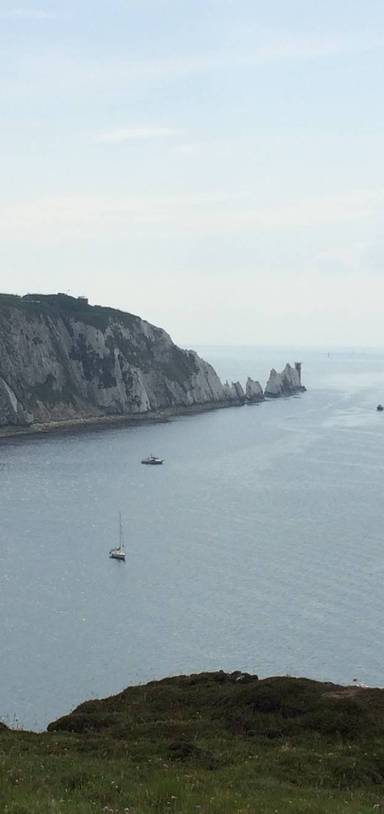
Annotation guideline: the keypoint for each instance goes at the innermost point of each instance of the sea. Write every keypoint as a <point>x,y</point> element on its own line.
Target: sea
<point>257,546</point>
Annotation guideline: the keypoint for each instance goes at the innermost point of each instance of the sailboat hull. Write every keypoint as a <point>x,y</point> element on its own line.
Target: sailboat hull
<point>117,555</point>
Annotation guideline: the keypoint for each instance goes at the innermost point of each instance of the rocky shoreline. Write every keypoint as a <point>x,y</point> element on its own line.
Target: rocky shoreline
<point>105,422</point>
<point>93,423</point>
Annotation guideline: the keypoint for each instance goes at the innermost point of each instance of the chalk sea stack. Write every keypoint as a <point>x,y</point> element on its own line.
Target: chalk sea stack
<point>285,383</point>
<point>253,391</point>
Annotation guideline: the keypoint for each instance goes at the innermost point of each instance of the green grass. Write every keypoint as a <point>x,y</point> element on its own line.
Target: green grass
<point>62,305</point>
<point>207,744</point>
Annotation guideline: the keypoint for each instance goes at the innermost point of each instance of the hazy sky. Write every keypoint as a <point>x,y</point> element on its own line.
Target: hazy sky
<point>216,166</point>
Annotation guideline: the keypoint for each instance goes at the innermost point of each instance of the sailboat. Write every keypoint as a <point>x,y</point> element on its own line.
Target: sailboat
<point>118,553</point>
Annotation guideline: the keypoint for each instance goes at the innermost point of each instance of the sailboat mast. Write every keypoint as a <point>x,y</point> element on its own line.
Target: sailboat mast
<point>120,531</point>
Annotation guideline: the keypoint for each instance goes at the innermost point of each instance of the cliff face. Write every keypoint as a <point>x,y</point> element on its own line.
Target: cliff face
<point>62,359</point>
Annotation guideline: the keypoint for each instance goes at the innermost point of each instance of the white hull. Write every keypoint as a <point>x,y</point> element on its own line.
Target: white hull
<point>117,555</point>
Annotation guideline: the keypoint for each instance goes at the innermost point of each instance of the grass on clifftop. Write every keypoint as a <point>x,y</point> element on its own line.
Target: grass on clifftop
<point>62,305</point>
<point>204,744</point>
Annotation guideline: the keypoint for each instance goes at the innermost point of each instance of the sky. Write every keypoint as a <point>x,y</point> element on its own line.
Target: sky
<point>215,166</point>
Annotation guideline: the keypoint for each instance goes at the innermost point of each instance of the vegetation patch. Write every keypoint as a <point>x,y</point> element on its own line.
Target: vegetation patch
<point>213,743</point>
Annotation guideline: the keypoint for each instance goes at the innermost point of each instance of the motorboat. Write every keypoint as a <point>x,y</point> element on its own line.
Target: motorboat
<point>152,460</point>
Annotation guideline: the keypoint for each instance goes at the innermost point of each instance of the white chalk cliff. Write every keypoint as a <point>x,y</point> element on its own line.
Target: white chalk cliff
<point>63,360</point>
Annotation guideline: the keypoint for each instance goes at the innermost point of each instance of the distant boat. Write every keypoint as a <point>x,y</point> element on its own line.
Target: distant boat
<point>379,408</point>
<point>118,553</point>
<point>152,460</point>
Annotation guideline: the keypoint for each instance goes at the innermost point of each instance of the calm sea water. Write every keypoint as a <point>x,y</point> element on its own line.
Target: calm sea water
<point>259,545</point>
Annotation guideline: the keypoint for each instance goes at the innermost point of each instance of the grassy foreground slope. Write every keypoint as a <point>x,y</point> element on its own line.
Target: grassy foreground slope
<point>204,744</point>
